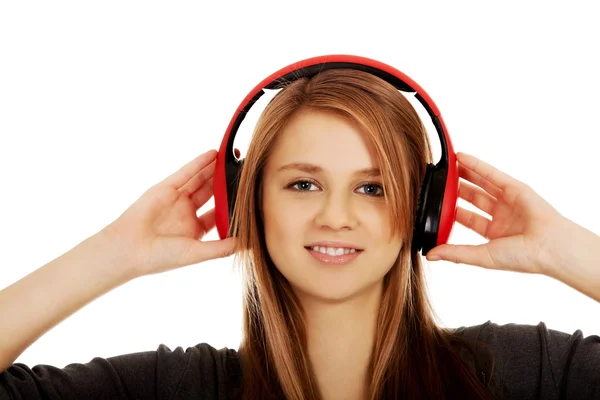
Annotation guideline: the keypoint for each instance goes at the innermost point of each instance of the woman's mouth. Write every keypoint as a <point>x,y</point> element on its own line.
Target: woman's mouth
<point>333,255</point>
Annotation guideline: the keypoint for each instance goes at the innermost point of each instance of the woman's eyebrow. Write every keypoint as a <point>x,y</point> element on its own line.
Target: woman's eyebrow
<point>314,169</point>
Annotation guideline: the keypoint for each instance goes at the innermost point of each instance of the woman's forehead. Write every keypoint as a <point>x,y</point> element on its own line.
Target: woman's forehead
<point>323,139</point>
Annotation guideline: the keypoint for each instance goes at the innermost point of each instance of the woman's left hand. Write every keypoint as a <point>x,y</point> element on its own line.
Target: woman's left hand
<point>523,227</point>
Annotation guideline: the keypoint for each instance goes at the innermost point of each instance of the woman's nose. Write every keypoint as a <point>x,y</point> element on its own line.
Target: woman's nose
<point>336,212</point>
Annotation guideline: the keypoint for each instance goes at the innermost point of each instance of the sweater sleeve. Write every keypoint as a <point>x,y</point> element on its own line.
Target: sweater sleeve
<point>200,372</point>
<point>534,362</point>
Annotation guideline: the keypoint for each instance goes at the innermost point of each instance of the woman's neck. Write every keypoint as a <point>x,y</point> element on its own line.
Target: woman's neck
<point>340,342</point>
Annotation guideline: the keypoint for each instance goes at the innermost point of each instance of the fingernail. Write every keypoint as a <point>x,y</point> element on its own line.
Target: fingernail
<point>434,258</point>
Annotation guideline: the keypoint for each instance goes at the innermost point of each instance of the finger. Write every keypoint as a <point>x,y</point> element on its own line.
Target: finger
<point>207,222</point>
<point>508,194</point>
<point>488,172</point>
<point>476,196</point>
<point>199,179</point>
<point>189,170</point>
<point>477,255</point>
<point>473,177</point>
<point>202,195</point>
<point>209,250</point>
<point>475,222</point>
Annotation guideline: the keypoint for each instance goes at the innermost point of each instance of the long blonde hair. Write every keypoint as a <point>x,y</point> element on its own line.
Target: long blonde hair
<point>412,357</point>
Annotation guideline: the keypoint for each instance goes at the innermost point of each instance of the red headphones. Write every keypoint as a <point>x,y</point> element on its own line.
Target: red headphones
<point>436,212</point>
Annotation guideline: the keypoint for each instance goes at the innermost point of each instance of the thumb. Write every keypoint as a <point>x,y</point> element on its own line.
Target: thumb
<point>461,254</point>
<point>211,249</point>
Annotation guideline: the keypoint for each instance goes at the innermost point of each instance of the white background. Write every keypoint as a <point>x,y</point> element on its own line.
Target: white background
<point>100,101</point>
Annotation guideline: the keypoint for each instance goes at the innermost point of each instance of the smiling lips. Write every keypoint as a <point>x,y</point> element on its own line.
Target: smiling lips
<point>333,256</point>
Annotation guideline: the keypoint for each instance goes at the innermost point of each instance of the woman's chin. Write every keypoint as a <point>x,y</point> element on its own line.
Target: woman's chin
<point>332,293</point>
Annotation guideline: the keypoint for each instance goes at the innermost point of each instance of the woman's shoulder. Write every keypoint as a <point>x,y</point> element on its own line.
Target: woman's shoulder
<point>202,367</point>
<point>536,360</point>
<point>200,371</point>
<point>204,353</point>
<point>491,329</point>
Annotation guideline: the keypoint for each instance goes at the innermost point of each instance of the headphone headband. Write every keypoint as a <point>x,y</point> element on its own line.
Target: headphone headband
<point>228,167</point>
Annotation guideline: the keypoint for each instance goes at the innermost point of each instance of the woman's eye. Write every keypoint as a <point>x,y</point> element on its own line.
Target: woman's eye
<point>370,188</point>
<point>303,185</point>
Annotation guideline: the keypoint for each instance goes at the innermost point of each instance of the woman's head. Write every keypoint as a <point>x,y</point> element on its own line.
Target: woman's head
<point>313,191</point>
<point>308,148</point>
<point>301,184</point>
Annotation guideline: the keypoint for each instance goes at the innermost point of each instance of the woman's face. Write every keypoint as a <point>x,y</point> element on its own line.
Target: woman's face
<point>326,199</point>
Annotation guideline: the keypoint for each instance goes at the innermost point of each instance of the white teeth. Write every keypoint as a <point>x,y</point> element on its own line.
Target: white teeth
<point>333,251</point>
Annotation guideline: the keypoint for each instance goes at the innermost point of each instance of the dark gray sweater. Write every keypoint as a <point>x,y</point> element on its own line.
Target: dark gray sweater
<point>532,362</point>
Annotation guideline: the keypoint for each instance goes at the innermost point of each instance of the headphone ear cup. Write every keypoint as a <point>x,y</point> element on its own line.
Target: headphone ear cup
<point>432,209</point>
<point>233,171</point>
<point>422,201</point>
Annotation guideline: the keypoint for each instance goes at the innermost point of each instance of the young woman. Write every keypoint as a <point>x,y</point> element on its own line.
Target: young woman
<point>335,301</point>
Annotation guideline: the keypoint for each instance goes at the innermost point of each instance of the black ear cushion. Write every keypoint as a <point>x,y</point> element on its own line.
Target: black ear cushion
<point>233,173</point>
<point>432,209</point>
<point>422,201</point>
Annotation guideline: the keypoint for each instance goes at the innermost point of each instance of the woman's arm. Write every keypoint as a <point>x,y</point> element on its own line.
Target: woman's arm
<point>526,234</point>
<point>574,258</point>
<point>159,232</point>
<point>35,304</point>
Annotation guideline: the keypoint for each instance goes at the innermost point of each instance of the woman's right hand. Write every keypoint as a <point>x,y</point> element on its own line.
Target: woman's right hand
<point>161,231</point>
